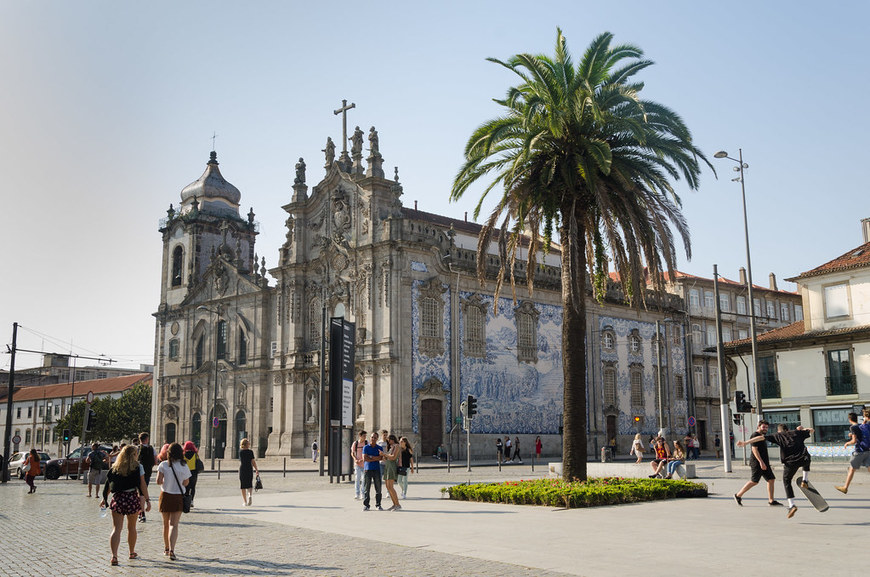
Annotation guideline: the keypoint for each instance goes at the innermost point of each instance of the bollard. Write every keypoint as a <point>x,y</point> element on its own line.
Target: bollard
<point>285,467</point>
<point>219,469</point>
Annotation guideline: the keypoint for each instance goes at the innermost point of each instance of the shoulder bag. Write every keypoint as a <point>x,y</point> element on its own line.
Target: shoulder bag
<point>186,498</point>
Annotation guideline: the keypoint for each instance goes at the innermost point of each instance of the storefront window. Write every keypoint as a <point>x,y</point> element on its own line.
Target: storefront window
<point>789,418</point>
<point>831,425</point>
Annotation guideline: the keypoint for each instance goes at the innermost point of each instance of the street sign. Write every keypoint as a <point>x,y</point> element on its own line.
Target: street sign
<point>90,397</point>
<point>691,421</point>
<point>215,422</point>
<point>16,439</point>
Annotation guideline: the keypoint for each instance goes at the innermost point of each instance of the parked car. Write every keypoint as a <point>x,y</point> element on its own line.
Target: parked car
<point>69,465</point>
<point>17,461</point>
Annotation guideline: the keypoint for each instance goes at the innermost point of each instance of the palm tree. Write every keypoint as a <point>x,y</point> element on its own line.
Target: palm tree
<point>578,151</point>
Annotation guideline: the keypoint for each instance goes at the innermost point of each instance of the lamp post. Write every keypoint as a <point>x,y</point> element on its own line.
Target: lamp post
<point>754,334</point>
<point>215,397</point>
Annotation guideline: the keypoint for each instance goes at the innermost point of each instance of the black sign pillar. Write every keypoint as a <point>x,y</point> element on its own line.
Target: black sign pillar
<point>341,373</point>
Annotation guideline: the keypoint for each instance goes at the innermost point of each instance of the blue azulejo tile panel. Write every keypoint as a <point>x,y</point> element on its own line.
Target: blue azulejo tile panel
<point>426,369</point>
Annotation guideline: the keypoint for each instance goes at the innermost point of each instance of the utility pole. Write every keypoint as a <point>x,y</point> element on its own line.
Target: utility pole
<point>723,390</point>
<point>8,432</point>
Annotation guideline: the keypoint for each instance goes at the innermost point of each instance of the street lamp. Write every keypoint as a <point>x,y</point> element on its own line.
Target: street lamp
<point>754,334</point>
<point>211,427</point>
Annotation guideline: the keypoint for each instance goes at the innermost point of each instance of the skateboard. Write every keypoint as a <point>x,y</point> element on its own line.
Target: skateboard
<point>814,497</point>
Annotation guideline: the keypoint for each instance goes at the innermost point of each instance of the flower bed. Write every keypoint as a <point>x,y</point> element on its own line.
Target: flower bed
<point>590,493</point>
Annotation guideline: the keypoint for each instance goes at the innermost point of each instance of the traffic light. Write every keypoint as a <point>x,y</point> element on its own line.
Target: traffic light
<point>91,421</point>
<point>471,404</point>
<point>66,436</point>
<point>743,406</point>
<point>736,419</point>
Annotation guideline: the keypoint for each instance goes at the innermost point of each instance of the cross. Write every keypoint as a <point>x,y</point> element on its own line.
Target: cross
<point>343,111</point>
<point>213,136</point>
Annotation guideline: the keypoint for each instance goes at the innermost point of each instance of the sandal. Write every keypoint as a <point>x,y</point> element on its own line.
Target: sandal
<point>172,555</point>
<point>166,551</point>
<point>134,555</point>
<point>114,561</point>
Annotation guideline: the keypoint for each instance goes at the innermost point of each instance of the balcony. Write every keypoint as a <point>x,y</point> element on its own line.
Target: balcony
<point>841,385</point>
<point>770,389</point>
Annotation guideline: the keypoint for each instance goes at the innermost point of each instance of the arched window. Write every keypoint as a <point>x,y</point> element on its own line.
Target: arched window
<point>222,339</point>
<point>636,386</point>
<point>527,332</point>
<point>196,429</point>
<point>200,350</point>
<point>608,340</point>
<point>243,348</point>
<point>241,433</point>
<point>169,437</point>
<point>173,350</point>
<point>609,386</point>
<point>177,265</point>
<point>634,343</point>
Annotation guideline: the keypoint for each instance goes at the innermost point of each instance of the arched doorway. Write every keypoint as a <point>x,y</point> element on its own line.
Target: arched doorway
<point>196,430</point>
<point>219,432</point>
<point>431,426</point>
<point>169,433</point>
<point>241,432</point>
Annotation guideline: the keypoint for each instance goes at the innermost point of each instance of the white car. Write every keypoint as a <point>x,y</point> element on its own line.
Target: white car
<point>17,462</point>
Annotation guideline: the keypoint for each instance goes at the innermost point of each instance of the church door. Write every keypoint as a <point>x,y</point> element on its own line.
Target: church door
<point>431,427</point>
<point>610,427</point>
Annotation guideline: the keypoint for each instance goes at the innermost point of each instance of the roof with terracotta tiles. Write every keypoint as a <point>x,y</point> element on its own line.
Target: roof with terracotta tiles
<point>98,386</point>
<point>795,332</point>
<point>679,275</point>
<point>858,257</point>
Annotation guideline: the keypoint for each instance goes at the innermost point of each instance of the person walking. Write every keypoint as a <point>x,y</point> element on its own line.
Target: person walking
<point>126,481</point>
<point>406,464</point>
<point>372,456</point>
<point>147,459</point>
<point>499,449</point>
<point>391,471</point>
<point>794,455</point>
<point>759,467</point>
<point>97,461</point>
<point>538,447</point>
<point>717,443</point>
<point>173,476</point>
<point>637,448</point>
<point>196,466</point>
<point>314,451</point>
<point>33,469</point>
<point>356,453</point>
<point>516,456</point>
<point>859,438</point>
<point>247,468</point>
<point>507,450</point>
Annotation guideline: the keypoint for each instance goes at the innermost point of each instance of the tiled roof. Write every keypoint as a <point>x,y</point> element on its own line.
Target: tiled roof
<point>98,386</point>
<point>678,275</point>
<point>795,332</point>
<point>858,257</point>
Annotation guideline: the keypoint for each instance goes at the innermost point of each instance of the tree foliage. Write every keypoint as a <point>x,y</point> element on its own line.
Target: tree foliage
<point>580,156</point>
<point>117,419</point>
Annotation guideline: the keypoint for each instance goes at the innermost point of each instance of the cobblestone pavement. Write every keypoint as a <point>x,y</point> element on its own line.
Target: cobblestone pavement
<point>303,525</point>
<point>58,531</point>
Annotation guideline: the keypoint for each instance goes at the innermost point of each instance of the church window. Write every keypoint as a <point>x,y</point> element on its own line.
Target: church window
<point>475,327</point>
<point>222,339</point>
<point>430,318</point>
<point>243,348</point>
<point>177,265</point>
<point>610,386</point>
<point>636,380</point>
<point>634,343</point>
<point>315,311</point>
<point>607,339</point>
<point>196,429</point>
<point>173,349</point>
<point>200,350</point>
<point>678,386</point>
<point>431,311</point>
<point>527,333</point>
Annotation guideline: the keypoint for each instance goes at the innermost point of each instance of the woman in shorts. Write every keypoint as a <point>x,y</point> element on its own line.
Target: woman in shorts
<point>126,481</point>
<point>173,475</point>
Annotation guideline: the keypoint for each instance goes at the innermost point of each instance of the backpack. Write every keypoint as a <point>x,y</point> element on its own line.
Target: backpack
<point>863,443</point>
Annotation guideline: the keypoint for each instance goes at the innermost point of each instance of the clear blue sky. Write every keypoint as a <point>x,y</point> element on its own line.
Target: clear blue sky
<point>107,111</point>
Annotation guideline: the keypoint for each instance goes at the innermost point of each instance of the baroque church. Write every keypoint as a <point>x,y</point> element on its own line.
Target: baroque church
<point>238,346</point>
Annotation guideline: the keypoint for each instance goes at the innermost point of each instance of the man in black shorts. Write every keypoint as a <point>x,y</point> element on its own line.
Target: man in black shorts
<point>793,454</point>
<point>759,465</point>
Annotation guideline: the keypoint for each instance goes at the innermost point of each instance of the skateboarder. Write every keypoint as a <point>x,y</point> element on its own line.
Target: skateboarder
<point>793,454</point>
<point>759,465</point>
<point>859,436</point>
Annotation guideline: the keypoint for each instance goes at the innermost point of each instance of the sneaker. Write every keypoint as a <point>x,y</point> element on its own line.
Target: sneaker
<point>738,500</point>
<point>791,511</point>
<point>392,508</point>
<point>366,508</point>
<point>380,508</point>
<point>775,503</point>
<point>804,484</point>
<point>842,489</point>
<point>404,496</point>
<point>397,508</point>
<point>357,498</point>
<point>250,501</point>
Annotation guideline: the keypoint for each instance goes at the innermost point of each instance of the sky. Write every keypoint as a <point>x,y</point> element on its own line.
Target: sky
<point>107,110</point>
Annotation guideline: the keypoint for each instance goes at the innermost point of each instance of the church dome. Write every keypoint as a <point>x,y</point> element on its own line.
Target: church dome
<point>211,186</point>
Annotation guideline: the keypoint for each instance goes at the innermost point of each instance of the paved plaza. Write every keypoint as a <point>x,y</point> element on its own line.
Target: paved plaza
<point>300,524</point>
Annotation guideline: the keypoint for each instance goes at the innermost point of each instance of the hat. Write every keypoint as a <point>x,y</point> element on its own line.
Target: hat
<point>189,446</point>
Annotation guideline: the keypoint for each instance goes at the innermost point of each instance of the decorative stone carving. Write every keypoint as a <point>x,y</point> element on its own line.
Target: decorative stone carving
<point>300,172</point>
<point>290,223</point>
<point>196,397</point>
<point>329,151</point>
<point>311,405</point>
<point>360,402</point>
<point>242,395</point>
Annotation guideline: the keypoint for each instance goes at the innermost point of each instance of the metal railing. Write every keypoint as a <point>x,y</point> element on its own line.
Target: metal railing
<point>841,385</point>
<point>770,389</point>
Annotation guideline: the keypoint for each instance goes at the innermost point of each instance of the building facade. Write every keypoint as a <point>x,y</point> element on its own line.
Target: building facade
<point>235,346</point>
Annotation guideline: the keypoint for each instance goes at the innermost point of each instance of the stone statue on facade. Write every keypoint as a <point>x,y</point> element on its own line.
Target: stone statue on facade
<point>374,144</point>
<point>300,172</point>
<point>329,151</point>
<point>356,142</point>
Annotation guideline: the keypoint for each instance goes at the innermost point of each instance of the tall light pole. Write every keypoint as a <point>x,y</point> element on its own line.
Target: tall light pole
<point>212,427</point>
<point>754,334</point>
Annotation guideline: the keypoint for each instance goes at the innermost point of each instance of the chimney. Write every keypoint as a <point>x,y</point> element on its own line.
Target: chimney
<point>415,205</point>
<point>743,276</point>
<point>865,228</point>
<point>466,216</point>
<point>773,282</point>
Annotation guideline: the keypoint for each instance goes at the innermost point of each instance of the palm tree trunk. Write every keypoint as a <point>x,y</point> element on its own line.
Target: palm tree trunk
<point>574,451</point>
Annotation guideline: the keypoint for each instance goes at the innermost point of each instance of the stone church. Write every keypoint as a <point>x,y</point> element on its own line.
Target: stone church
<point>239,345</point>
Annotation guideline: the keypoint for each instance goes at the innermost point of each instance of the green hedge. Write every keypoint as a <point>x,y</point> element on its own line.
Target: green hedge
<point>589,493</point>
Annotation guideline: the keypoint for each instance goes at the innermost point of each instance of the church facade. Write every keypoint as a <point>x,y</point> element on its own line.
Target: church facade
<point>239,345</point>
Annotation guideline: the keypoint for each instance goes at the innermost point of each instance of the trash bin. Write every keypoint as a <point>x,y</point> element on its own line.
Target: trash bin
<point>606,456</point>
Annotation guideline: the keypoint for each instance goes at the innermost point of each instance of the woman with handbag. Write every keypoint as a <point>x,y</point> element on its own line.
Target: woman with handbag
<point>126,482</point>
<point>173,476</point>
<point>406,464</point>
<point>31,470</point>
<point>246,472</point>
